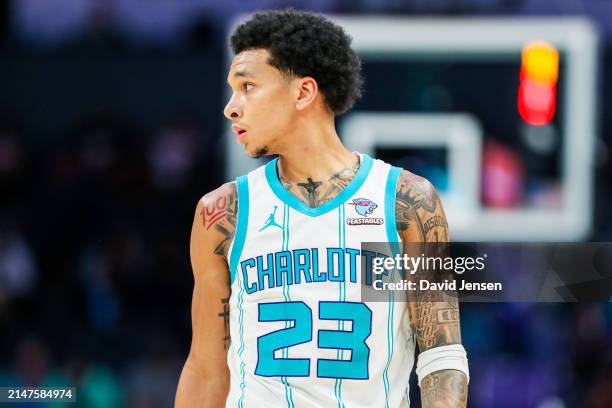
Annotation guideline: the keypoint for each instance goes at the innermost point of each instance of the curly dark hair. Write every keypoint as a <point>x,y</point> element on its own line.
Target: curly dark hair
<point>306,44</point>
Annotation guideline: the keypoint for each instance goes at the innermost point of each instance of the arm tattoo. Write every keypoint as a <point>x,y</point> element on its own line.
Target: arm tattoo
<point>418,206</point>
<point>214,211</point>
<point>437,319</point>
<point>225,315</point>
<point>417,192</point>
<point>436,323</point>
<point>226,222</point>
<point>446,388</point>
<point>310,193</point>
<point>406,217</point>
<point>434,315</point>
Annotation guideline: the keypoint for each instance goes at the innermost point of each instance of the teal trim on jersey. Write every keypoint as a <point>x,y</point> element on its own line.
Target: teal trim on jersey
<point>339,353</point>
<point>390,192</point>
<point>390,342</point>
<point>241,338</point>
<point>239,238</point>
<point>242,385</point>
<point>241,319</point>
<point>285,196</point>
<point>241,348</point>
<point>392,238</point>
<point>343,247</point>
<point>343,221</point>
<point>241,227</point>
<point>285,351</point>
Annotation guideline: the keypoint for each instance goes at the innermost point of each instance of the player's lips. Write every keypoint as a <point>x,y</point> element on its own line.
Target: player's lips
<point>239,132</point>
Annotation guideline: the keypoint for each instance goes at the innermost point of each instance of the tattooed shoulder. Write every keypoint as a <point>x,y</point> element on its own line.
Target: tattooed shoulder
<point>416,191</point>
<point>418,209</point>
<point>219,213</point>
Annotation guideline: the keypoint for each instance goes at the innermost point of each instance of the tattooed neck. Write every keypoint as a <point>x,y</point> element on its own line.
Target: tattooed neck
<point>317,192</point>
<point>311,188</point>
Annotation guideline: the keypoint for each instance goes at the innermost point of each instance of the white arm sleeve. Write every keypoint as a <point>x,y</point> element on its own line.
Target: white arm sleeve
<point>451,357</point>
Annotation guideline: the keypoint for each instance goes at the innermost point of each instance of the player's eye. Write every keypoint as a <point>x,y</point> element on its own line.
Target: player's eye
<point>247,86</point>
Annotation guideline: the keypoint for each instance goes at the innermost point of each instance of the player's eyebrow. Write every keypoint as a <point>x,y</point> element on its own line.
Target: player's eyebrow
<point>240,73</point>
<point>243,73</point>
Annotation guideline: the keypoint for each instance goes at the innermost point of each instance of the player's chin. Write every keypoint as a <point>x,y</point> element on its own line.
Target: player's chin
<point>256,151</point>
<point>249,151</point>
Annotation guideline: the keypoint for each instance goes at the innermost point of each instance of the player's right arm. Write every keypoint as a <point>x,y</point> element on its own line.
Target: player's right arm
<point>434,315</point>
<point>205,378</point>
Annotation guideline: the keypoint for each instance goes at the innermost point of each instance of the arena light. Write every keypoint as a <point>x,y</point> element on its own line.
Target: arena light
<point>538,83</point>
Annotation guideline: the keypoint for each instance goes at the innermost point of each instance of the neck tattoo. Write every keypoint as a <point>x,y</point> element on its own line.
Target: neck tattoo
<point>310,188</point>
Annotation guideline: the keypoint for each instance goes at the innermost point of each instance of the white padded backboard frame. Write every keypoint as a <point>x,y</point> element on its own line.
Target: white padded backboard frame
<point>459,134</point>
<point>396,39</point>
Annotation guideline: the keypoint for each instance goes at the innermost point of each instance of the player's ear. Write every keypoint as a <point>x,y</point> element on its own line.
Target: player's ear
<point>306,90</point>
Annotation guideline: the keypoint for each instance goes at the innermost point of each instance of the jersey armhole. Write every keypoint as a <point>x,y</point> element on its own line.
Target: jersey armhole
<point>390,197</point>
<point>242,186</point>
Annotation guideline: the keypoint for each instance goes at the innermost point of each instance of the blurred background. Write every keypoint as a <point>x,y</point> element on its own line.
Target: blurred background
<point>111,129</point>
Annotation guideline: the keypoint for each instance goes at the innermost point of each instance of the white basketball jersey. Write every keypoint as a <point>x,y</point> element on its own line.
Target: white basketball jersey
<point>300,334</point>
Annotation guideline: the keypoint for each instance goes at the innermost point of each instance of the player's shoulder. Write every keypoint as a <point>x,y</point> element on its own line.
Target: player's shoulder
<point>415,191</point>
<point>216,217</point>
<point>408,179</point>
<point>220,196</point>
<point>218,205</point>
<point>418,210</point>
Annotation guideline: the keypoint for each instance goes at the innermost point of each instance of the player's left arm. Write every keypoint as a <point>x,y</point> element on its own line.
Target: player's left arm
<point>420,218</point>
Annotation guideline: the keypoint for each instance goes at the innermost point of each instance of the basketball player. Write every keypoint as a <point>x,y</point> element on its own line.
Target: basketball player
<point>276,254</point>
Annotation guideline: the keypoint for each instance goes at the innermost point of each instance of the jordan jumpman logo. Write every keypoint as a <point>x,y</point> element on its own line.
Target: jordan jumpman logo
<point>271,221</point>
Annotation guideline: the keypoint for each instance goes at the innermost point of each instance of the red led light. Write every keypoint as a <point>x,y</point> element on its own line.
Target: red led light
<point>536,102</point>
<point>538,83</point>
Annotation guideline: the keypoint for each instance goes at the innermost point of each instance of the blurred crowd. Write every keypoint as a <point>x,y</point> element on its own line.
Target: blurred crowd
<point>538,355</point>
<point>168,22</point>
<point>95,281</point>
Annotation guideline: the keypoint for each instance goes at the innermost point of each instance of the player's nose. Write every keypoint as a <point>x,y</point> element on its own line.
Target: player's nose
<point>232,110</point>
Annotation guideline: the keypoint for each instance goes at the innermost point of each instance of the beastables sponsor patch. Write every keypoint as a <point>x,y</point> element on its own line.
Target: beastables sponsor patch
<point>364,221</point>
